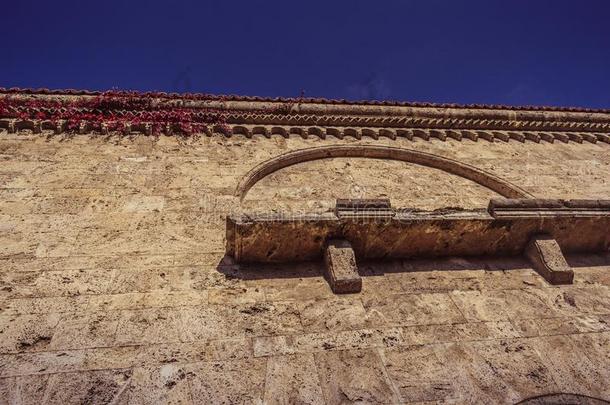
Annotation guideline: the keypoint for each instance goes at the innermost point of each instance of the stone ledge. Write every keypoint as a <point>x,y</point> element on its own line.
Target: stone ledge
<point>413,234</point>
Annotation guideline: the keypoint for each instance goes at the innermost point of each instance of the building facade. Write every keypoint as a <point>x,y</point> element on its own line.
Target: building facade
<point>163,248</point>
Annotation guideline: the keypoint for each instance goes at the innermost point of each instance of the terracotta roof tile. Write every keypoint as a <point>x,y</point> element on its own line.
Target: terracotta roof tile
<point>233,97</point>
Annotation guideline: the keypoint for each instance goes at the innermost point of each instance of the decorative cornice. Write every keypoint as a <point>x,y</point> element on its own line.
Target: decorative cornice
<point>156,113</point>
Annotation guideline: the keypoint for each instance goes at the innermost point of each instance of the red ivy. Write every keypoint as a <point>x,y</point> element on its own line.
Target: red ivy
<point>114,110</point>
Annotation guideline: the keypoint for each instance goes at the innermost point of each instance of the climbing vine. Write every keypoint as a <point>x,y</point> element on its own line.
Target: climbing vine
<point>113,111</point>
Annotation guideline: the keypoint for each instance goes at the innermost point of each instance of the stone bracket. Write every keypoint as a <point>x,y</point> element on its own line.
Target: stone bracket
<point>547,259</point>
<point>341,270</point>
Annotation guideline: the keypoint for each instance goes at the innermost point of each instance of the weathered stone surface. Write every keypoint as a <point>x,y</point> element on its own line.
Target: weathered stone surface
<point>459,332</point>
<point>341,270</point>
<point>421,374</point>
<point>115,284</point>
<point>348,313</point>
<point>85,330</point>
<point>517,367</point>
<point>23,390</point>
<point>502,305</point>
<point>95,387</point>
<point>546,257</point>
<point>167,384</point>
<point>292,379</point>
<point>571,369</point>
<point>317,342</point>
<point>354,376</point>
<point>412,309</point>
<point>27,332</point>
<point>150,325</point>
<point>229,382</point>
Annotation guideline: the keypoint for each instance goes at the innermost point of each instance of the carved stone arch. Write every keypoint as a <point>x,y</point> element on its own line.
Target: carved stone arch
<point>563,398</point>
<point>479,176</point>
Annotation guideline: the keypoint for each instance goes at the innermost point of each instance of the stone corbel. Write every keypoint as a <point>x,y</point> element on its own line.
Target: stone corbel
<point>341,270</point>
<point>547,259</point>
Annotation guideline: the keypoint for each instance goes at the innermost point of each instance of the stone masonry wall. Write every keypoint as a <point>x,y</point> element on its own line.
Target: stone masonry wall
<point>114,284</point>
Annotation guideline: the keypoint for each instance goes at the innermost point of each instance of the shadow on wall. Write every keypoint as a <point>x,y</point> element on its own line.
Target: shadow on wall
<point>368,268</point>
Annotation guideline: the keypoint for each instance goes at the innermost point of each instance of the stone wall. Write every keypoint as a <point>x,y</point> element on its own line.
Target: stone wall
<point>114,282</point>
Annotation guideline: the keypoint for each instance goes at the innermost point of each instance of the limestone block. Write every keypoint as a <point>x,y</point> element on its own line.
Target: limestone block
<point>341,270</point>
<point>546,258</point>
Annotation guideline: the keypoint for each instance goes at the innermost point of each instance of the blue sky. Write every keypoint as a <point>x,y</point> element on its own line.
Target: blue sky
<point>542,52</point>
